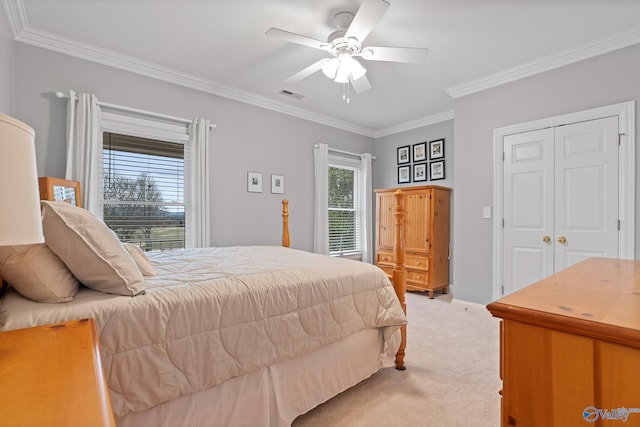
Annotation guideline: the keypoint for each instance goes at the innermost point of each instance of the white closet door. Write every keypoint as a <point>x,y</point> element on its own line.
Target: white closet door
<point>586,200</point>
<point>560,199</point>
<point>528,208</point>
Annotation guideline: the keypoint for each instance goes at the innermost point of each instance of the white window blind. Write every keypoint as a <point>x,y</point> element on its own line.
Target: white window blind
<point>344,207</point>
<point>144,190</point>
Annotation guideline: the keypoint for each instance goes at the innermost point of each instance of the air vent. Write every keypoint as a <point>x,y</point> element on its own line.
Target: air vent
<point>291,94</point>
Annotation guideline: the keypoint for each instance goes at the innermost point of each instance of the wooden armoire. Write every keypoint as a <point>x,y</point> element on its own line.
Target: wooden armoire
<point>426,236</point>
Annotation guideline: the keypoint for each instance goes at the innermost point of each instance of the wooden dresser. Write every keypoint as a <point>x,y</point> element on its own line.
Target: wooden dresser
<point>52,376</point>
<point>426,236</point>
<point>570,347</point>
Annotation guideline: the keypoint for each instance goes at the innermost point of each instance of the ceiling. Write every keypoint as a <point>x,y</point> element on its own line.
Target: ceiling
<point>219,46</point>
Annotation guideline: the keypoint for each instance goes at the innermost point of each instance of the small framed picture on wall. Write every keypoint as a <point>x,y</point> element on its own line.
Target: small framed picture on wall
<point>404,174</point>
<point>436,149</point>
<point>254,182</point>
<point>437,170</point>
<point>277,184</point>
<point>420,152</point>
<point>419,172</point>
<point>404,156</point>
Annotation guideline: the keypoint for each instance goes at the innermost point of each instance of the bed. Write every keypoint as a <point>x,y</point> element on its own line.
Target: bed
<point>251,335</point>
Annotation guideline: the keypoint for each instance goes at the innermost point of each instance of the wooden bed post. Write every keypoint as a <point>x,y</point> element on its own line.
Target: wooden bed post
<point>285,223</point>
<point>399,272</point>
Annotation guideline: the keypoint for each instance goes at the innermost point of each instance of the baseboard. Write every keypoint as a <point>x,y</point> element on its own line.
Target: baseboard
<point>469,306</point>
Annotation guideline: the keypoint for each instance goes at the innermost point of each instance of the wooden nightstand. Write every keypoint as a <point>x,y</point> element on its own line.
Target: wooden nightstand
<point>52,376</point>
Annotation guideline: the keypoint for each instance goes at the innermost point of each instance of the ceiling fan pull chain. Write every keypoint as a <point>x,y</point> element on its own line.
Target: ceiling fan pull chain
<point>345,93</point>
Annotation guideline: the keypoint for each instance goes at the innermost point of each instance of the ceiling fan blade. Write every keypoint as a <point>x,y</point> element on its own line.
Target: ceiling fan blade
<point>394,54</point>
<point>366,18</point>
<point>296,38</point>
<point>316,66</point>
<point>360,85</point>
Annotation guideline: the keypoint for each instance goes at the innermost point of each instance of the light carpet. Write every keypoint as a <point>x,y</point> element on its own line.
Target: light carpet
<point>452,376</point>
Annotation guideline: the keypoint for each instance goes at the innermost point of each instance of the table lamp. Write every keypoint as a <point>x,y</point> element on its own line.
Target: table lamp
<point>20,221</point>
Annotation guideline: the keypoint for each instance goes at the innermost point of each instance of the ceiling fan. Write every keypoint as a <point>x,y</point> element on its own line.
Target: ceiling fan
<point>345,45</point>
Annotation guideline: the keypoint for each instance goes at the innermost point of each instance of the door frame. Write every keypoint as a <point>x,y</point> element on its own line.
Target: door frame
<point>626,173</point>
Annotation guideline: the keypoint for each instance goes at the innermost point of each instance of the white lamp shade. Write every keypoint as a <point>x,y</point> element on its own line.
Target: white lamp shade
<point>20,222</point>
<point>330,67</point>
<point>357,70</point>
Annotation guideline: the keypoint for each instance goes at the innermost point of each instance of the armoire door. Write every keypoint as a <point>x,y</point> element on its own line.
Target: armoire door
<point>560,199</point>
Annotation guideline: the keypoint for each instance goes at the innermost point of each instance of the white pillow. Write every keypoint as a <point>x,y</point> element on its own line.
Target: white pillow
<point>141,259</point>
<point>37,273</point>
<point>89,248</point>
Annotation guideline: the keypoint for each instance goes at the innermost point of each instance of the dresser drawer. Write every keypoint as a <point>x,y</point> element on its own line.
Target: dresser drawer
<point>417,276</point>
<point>384,257</point>
<point>416,261</point>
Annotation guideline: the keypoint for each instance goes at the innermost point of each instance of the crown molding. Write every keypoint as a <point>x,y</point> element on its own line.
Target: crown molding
<point>414,124</point>
<point>25,34</point>
<point>16,16</point>
<point>570,56</point>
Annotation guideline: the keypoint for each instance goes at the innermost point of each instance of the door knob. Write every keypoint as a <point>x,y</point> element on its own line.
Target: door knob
<point>546,239</point>
<point>562,239</point>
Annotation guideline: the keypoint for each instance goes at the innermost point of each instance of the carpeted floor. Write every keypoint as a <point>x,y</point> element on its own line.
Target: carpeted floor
<point>452,377</point>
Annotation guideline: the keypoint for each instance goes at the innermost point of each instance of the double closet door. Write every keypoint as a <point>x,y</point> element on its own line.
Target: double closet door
<point>560,199</point>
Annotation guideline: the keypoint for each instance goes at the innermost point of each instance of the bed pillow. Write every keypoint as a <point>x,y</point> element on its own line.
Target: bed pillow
<point>141,259</point>
<point>37,273</point>
<point>89,248</point>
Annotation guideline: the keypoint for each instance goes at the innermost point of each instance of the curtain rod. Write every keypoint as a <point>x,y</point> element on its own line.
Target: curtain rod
<point>349,153</point>
<point>135,110</point>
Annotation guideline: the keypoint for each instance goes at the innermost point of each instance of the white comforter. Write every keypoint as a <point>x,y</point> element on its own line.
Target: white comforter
<point>216,313</point>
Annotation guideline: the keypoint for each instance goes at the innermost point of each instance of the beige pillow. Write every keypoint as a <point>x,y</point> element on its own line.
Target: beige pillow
<point>37,273</point>
<point>138,255</point>
<point>89,248</point>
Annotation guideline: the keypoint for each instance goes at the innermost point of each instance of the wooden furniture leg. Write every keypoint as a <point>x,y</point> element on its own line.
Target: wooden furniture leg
<point>285,223</point>
<point>399,272</point>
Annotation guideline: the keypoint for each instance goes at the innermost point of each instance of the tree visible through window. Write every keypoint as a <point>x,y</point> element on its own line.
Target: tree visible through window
<point>143,191</point>
<point>344,220</point>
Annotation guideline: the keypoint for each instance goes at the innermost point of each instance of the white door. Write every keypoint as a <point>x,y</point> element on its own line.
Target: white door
<point>560,199</point>
<point>586,202</point>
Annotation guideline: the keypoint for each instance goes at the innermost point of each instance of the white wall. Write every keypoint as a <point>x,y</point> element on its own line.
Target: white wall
<point>246,139</point>
<point>7,66</point>
<point>608,79</point>
<point>386,168</point>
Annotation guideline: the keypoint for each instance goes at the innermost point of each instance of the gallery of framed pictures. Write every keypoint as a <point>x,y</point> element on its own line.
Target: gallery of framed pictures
<point>420,162</point>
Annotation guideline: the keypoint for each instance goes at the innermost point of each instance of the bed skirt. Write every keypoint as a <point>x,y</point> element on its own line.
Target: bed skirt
<point>274,396</point>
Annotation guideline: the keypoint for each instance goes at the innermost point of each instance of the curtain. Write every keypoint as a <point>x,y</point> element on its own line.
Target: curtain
<point>321,199</point>
<point>366,208</point>
<point>200,200</point>
<point>83,127</point>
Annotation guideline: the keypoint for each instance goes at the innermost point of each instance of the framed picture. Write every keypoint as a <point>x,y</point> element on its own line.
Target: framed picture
<point>404,174</point>
<point>420,152</point>
<point>277,184</point>
<point>254,182</point>
<point>436,149</point>
<point>404,155</point>
<point>419,172</point>
<point>437,170</point>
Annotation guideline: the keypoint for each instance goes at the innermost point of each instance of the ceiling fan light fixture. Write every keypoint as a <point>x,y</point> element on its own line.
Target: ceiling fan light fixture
<point>355,68</point>
<point>342,75</point>
<point>330,67</point>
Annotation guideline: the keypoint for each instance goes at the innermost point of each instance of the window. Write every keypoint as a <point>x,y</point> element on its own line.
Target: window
<point>344,207</point>
<point>143,190</point>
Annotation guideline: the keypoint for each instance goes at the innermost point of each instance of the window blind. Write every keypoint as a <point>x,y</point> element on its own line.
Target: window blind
<point>143,190</point>
<point>344,212</point>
